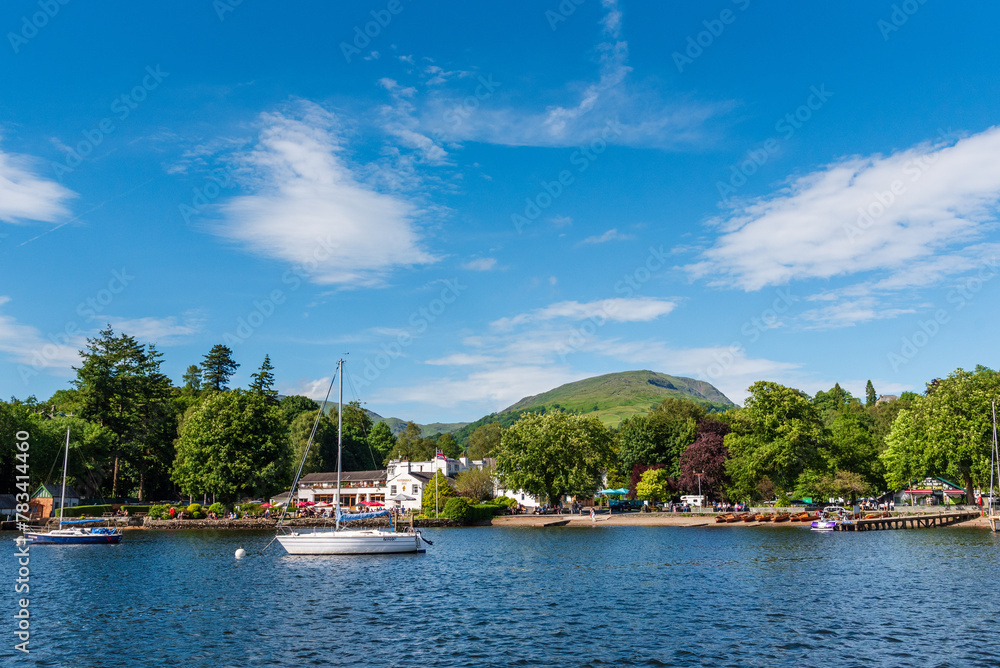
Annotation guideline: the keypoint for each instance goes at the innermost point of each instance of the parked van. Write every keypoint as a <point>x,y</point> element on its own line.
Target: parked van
<point>693,500</point>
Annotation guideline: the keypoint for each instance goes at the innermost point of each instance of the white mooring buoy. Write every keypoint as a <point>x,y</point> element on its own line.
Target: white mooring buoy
<point>240,553</point>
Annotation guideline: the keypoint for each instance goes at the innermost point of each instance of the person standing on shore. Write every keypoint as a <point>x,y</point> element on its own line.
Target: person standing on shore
<point>593,515</point>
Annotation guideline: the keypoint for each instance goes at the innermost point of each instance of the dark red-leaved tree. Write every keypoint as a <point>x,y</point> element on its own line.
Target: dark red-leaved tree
<point>707,454</point>
<point>639,469</point>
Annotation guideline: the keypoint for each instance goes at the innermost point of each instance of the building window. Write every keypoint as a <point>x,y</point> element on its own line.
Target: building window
<point>416,489</point>
<point>392,490</point>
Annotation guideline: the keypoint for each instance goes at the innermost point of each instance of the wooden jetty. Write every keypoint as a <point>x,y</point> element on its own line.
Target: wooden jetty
<point>908,522</point>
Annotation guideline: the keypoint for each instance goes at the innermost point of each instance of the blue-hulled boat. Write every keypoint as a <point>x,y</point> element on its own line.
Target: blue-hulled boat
<point>75,535</point>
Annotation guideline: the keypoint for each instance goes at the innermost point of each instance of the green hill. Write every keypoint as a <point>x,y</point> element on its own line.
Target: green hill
<point>612,398</point>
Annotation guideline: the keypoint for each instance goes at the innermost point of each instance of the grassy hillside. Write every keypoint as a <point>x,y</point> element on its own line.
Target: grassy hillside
<point>426,430</point>
<point>611,398</point>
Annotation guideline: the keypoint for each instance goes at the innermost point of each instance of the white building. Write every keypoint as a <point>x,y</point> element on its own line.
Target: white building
<point>404,478</point>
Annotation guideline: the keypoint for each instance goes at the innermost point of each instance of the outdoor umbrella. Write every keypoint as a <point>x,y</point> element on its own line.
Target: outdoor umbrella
<point>371,503</point>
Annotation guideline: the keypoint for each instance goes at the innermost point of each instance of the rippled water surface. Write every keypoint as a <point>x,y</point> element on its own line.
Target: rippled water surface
<point>595,596</point>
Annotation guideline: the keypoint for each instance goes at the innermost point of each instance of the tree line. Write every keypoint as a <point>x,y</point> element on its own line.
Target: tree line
<point>134,434</point>
<point>782,445</point>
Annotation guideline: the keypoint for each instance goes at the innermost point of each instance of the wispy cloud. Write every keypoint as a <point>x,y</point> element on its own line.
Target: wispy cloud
<point>24,195</point>
<point>309,209</point>
<point>480,264</point>
<point>899,213</point>
<point>28,347</point>
<point>636,309</point>
<point>165,331</point>
<point>611,235</point>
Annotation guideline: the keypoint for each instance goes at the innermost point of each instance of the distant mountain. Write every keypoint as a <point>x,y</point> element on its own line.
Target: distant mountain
<point>611,398</point>
<point>426,430</point>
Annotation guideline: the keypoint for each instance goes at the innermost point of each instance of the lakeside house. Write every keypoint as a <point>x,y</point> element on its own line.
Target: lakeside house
<point>45,500</point>
<point>400,485</point>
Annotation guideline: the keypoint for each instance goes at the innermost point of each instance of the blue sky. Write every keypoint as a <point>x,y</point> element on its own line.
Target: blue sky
<point>481,201</point>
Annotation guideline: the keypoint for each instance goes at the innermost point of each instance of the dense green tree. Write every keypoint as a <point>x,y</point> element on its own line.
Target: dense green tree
<point>63,402</point>
<point>476,484</point>
<point>120,387</point>
<point>948,432</point>
<point>829,402</point>
<point>323,451</point>
<point>192,379</point>
<point>381,440</point>
<point>654,485</point>
<point>870,396</point>
<point>217,368</point>
<point>262,382</point>
<point>236,444</point>
<point>484,441</point>
<point>448,446</point>
<point>550,456</point>
<point>436,494</point>
<point>777,435</point>
<point>292,405</point>
<point>90,448</point>
<point>410,445</point>
<point>707,456</point>
<point>660,437</point>
<point>854,447</point>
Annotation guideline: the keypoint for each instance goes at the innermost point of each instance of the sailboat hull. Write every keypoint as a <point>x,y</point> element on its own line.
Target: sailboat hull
<point>368,541</point>
<point>67,538</point>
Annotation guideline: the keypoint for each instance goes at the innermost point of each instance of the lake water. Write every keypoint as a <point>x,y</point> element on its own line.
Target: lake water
<point>594,596</point>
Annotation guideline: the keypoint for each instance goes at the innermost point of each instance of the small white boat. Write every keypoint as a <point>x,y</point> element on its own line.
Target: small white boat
<point>830,518</point>
<point>344,541</point>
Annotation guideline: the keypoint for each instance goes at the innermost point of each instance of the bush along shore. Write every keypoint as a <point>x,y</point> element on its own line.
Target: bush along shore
<point>262,523</point>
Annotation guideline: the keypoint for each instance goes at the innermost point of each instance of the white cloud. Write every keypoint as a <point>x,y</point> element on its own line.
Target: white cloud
<point>907,213</point>
<point>636,309</point>
<point>159,331</point>
<point>308,208</point>
<point>611,235</point>
<point>561,221</point>
<point>26,196</point>
<point>461,359</point>
<point>314,389</point>
<point>33,352</point>
<point>480,264</point>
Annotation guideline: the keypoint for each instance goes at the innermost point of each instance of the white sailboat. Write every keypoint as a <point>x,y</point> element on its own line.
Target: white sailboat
<point>339,540</point>
<point>75,535</point>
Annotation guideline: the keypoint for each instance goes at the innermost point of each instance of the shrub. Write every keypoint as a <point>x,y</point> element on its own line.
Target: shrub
<point>195,512</point>
<point>217,508</point>
<point>782,502</point>
<point>250,510</point>
<point>159,512</point>
<point>504,502</point>
<point>483,511</point>
<point>457,509</point>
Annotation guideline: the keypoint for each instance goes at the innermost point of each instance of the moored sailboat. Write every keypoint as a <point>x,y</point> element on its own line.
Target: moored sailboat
<point>339,540</point>
<point>76,534</point>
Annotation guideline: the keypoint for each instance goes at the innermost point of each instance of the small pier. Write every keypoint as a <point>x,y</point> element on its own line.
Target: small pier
<point>908,522</point>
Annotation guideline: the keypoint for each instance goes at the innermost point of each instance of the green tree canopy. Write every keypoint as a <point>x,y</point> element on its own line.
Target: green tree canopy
<point>870,396</point>
<point>192,378</point>
<point>948,432</point>
<point>654,485</point>
<point>436,494</point>
<point>121,388</point>
<point>550,456</point>
<point>235,444</point>
<point>262,382</point>
<point>484,441</point>
<point>660,437</point>
<point>217,368</point>
<point>294,404</point>
<point>381,440</point>
<point>777,435</point>
<point>476,484</point>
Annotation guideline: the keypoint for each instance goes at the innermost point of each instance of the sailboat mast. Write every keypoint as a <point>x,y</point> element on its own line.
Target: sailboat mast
<point>340,437</point>
<point>62,498</point>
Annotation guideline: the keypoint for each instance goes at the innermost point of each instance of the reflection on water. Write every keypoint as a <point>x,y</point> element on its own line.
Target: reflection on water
<point>591,596</point>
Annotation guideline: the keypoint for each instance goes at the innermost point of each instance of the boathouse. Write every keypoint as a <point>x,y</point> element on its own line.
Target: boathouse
<point>931,491</point>
<point>45,500</point>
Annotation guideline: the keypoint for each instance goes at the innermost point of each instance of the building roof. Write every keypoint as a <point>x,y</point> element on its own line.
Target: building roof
<point>346,476</point>
<point>47,491</point>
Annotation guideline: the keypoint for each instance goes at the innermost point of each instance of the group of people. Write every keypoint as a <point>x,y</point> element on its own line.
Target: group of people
<point>874,504</point>
<point>727,507</point>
